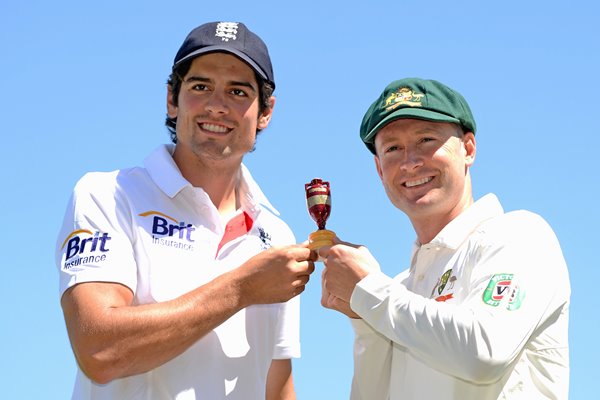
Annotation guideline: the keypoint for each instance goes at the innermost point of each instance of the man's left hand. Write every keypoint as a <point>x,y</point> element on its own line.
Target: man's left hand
<point>346,264</point>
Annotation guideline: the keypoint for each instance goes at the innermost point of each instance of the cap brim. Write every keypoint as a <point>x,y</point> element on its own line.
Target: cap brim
<point>407,112</point>
<point>225,49</point>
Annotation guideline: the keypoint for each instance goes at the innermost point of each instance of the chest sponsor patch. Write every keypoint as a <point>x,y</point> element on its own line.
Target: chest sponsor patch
<point>502,286</point>
<point>168,232</point>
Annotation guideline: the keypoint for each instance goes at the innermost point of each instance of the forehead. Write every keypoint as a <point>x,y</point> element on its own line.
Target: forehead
<point>222,64</point>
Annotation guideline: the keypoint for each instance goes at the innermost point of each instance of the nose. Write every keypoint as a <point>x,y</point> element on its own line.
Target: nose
<point>411,160</point>
<point>216,104</point>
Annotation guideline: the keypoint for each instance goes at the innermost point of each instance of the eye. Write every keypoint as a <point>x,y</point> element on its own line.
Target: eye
<point>391,149</point>
<point>199,87</point>
<point>239,92</point>
<point>427,139</point>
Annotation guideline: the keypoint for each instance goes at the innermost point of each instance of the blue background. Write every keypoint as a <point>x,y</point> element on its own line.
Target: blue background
<point>83,88</point>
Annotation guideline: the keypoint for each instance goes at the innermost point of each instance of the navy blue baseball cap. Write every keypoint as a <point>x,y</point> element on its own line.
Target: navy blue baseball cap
<point>229,37</point>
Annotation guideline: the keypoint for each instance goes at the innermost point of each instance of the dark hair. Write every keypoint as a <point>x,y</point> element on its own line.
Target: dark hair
<point>265,91</point>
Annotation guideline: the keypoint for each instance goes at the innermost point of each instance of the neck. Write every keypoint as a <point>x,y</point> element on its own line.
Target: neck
<point>429,226</point>
<point>218,179</point>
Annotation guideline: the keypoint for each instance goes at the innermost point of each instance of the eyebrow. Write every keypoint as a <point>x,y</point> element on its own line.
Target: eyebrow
<point>194,78</point>
<point>426,131</point>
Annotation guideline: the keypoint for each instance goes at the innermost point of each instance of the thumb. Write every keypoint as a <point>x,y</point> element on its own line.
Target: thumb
<point>337,240</point>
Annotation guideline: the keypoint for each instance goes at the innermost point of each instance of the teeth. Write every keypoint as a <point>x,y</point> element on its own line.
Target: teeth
<point>214,128</point>
<point>418,182</point>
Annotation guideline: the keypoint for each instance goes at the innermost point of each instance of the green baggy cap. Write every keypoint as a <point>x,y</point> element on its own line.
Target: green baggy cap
<point>419,99</point>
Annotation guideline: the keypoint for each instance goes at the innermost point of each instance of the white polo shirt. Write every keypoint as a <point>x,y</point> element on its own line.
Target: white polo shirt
<point>152,231</point>
<point>481,314</point>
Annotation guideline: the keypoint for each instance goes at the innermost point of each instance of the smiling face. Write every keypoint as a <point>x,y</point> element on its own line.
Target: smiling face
<point>424,168</point>
<point>217,111</point>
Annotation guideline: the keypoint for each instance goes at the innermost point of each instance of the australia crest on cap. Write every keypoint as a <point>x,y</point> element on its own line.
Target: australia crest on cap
<point>403,96</point>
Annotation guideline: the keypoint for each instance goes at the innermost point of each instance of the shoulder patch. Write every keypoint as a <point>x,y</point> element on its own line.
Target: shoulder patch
<point>501,286</point>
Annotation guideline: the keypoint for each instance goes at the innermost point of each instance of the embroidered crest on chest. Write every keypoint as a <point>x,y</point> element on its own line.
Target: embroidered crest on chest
<point>265,238</point>
<point>445,282</point>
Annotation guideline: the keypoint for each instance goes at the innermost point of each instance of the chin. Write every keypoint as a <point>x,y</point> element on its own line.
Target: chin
<point>418,206</point>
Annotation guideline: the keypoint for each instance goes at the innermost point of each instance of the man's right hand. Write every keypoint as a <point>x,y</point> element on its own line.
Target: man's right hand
<point>276,275</point>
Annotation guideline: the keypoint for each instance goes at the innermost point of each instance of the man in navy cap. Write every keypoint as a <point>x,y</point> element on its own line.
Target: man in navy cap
<point>178,280</point>
<point>482,311</point>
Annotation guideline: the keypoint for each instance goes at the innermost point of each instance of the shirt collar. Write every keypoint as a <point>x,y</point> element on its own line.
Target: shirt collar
<point>455,233</point>
<point>251,195</point>
<point>164,172</point>
<point>166,175</point>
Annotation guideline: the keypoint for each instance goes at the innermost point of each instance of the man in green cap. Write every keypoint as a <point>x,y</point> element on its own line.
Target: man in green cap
<point>482,312</point>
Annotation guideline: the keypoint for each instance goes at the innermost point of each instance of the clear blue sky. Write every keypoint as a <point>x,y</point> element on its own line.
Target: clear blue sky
<point>83,88</point>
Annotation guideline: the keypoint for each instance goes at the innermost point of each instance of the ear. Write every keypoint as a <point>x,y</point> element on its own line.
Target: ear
<point>378,166</point>
<point>265,117</point>
<point>470,146</point>
<point>171,107</point>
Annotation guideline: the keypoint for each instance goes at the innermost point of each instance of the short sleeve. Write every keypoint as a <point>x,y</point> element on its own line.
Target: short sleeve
<point>95,240</point>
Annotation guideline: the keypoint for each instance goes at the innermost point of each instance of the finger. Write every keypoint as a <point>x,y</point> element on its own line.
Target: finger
<point>334,302</point>
<point>301,281</point>
<point>326,284</point>
<point>338,303</point>
<point>337,240</point>
<point>323,252</point>
<point>297,252</point>
<point>298,290</point>
<point>326,300</point>
<point>304,268</point>
<point>324,292</point>
<point>324,277</point>
<point>314,255</point>
<point>311,267</point>
<point>303,253</point>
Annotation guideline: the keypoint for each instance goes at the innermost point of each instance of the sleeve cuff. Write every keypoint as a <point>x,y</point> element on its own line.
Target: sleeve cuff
<point>361,327</point>
<point>369,292</point>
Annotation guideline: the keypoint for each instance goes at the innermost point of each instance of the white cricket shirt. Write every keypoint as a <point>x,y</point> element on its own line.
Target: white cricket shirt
<point>481,314</point>
<point>152,231</point>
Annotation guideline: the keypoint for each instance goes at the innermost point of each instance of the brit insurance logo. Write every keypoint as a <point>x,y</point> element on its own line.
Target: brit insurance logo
<point>83,246</point>
<point>167,231</point>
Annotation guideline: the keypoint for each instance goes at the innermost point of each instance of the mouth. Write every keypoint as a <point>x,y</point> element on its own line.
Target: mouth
<point>417,182</point>
<point>214,128</point>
